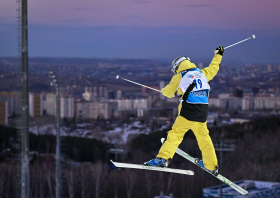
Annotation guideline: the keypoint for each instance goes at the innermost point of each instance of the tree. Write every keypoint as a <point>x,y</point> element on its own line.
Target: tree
<point>130,177</point>
<point>72,180</point>
<point>85,179</point>
<point>149,181</point>
<point>50,180</point>
<point>98,173</point>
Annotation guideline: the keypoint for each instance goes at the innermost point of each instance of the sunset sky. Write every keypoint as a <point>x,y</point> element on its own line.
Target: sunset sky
<point>158,29</point>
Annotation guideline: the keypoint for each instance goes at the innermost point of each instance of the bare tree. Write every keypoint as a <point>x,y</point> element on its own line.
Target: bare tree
<point>84,181</point>
<point>50,180</point>
<point>161,182</point>
<point>9,177</point>
<point>33,181</point>
<point>149,181</point>
<point>42,183</point>
<point>38,180</point>
<point>72,178</point>
<point>98,175</point>
<point>130,178</point>
<point>169,182</point>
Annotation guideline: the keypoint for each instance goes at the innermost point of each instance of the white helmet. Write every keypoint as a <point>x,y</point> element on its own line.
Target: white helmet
<point>175,64</point>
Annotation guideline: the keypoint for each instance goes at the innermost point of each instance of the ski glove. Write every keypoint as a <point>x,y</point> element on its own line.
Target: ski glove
<point>220,50</point>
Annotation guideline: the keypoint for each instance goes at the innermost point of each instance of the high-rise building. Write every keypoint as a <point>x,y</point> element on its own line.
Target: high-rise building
<point>86,89</point>
<point>12,99</point>
<point>100,92</point>
<point>49,104</point>
<point>95,110</point>
<point>105,92</point>
<point>269,68</point>
<point>88,96</point>
<point>119,94</point>
<point>35,104</point>
<point>95,94</point>
<point>66,107</point>
<point>92,93</point>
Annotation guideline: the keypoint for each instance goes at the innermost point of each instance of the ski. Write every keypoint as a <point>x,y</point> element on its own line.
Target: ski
<point>220,177</point>
<point>137,166</point>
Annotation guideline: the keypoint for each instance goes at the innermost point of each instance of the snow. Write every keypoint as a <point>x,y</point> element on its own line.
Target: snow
<point>45,129</point>
<point>119,134</point>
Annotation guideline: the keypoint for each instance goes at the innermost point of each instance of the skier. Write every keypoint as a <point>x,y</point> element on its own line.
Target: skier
<point>192,84</point>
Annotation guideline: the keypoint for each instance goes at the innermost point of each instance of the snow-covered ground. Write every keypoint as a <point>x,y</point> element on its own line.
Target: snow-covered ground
<point>119,134</point>
<point>43,130</point>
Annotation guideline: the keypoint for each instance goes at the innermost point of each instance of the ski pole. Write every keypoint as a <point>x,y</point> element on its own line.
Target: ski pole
<point>253,36</point>
<point>117,77</point>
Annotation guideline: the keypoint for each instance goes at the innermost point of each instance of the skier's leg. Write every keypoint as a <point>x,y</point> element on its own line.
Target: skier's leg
<point>174,138</point>
<point>206,146</point>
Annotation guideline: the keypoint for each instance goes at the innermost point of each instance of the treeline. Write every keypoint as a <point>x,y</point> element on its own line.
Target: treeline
<point>256,157</point>
<point>74,148</point>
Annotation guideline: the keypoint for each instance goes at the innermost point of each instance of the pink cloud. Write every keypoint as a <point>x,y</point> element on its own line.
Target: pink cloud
<point>155,13</point>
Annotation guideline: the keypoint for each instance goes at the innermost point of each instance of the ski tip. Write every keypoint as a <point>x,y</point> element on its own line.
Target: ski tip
<point>190,172</point>
<point>115,165</point>
<point>245,193</point>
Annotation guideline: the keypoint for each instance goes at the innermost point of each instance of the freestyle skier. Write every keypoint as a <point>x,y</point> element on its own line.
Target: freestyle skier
<point>192,84</point>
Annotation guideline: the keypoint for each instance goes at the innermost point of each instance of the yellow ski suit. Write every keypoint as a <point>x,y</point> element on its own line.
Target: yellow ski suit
<point>182,125</point>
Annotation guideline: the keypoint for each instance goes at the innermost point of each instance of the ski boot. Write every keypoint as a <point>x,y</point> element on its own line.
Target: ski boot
<point>158,162</point>
<point>214,172</point>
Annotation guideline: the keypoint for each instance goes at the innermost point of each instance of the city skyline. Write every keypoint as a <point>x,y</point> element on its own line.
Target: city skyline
<point>146,29</point>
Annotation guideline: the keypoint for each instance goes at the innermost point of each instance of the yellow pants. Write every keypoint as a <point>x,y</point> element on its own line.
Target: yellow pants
<point>176,135</point>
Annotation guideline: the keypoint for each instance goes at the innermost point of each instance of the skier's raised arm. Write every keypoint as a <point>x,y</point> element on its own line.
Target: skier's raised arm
<point>213,67</point>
